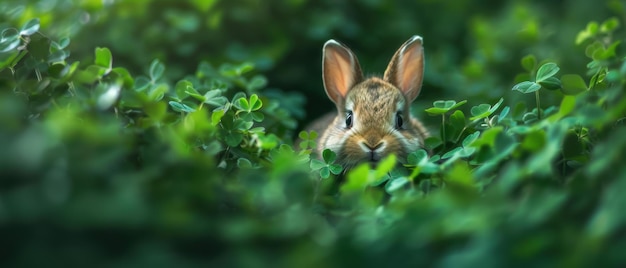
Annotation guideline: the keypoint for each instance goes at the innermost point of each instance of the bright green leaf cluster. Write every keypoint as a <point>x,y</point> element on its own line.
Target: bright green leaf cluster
<point>326,166</point>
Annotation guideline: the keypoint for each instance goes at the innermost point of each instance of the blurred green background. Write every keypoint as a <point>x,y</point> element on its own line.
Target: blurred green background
<point>472,47</point>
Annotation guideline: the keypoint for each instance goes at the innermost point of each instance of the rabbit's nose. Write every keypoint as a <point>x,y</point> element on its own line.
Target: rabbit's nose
<point>368,147</point>
<point>373,152</point>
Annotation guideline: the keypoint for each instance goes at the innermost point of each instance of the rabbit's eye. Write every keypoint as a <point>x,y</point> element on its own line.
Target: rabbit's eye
<point>349,119</point>
<point>399,120</point>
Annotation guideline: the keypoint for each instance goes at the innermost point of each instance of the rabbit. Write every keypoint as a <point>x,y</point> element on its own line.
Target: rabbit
<point>372,119</point>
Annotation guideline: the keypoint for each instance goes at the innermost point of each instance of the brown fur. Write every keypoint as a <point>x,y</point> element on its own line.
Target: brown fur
<point>374,103</point>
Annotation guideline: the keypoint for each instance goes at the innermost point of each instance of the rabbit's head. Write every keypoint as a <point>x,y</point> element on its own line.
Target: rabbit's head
<point>373,117</point>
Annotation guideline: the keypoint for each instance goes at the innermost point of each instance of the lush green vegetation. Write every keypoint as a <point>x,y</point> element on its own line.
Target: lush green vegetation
<point>160,133</point>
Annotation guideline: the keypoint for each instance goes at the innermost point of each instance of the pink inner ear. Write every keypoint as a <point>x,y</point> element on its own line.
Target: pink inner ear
<point>410,70</point>
<point>345,77</point>
<point>340,70</point>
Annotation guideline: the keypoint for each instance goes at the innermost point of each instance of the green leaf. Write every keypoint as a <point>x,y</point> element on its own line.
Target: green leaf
<point>233,138</point>
<point>325,172</point>
<point>268,141</point>
<point>432,142</point>
<point>451,153</point>
<point>436,111</point>
<point>57,70</point>
<point>257,116</point>
<point>255,103</point>
<point>10,40</point>
<point>329,156</point>
<point>429,167</point>
<point>193,93</point>
<point>418,157</point>
<point>546,71</point>
<point>158,91</point>
<point>496,106</point>
<point>470,138</point>
<point>180,107</point>
<point>242,104</point>
<point>213,148</point>
<point>534,141</point>
<point>466,152</point>
<point>552,83</point>
<point>104,58</point>
<point>244,68</point>
<point>335,169</point>
<point>442,107</point>
<point>39,47</point>
<point>257,130</point>
<point>385,166</point>
<point>593,49</point>
<point>504,113</point>
<point>241,124</point>
<point>479,111</point>
<point>212,97</point>
<point>181,89</point>
<point>581,37</point>
<point>257,82</point>
<point>527,87</point>
<point>609,25</point>
<point>304,135</point>
<point>460,175</point>
<point>529,118</point>
<point>244,163</point>
<point>590,31</point>
<point>125,76</point>
<point>63,43</point>
<point>573,84</point>
<point>230,70</point>
<point>216,116</point>
<point>374,180</point>
<point>31,27</point>
<point>141,83</point>
<point>57,56</point>
<point>602,53</point>
<point>156,70</point>
<point>357,179</point>
<point>567,105</point>
<point>505,144</point>
<point>317,164</point>
<point>457,119</point>
<point>488,137</point>
<point>156,110</point>
<point>91,74</point>
<point>444,104</point>
<point>396,184</point>
<point>529,62</point>
<point>613,76</point>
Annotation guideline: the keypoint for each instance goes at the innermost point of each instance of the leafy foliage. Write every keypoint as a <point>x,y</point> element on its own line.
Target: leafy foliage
<point>103,162</point>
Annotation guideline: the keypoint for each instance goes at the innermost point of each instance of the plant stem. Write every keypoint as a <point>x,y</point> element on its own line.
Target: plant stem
<point>538,105</point>
<point>443,130</point>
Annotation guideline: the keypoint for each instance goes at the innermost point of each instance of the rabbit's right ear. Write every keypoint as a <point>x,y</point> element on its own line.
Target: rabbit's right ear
<point>340,70</point>
<point>406,68</point>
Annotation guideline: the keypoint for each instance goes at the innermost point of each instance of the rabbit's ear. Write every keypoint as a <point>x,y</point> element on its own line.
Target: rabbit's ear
<point>406,68</point>
<point>340,70</point>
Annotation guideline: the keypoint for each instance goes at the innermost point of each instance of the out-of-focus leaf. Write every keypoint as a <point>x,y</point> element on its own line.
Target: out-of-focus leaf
<point>527,87</point>
<point>31,27</point>
<point>573,84</point>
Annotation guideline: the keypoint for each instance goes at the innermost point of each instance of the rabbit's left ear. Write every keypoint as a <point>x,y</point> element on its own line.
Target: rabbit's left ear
<point>406,68</point>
